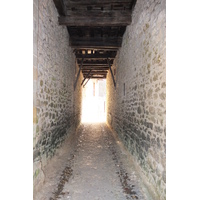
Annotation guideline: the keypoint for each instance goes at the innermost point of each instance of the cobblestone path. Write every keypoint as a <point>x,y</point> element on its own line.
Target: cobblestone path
<point>91,165</point>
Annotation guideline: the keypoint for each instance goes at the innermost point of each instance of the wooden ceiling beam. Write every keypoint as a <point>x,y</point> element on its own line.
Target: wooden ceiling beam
<point>100,75</point>
<point>96,42</point>
<point>96,56</point>
<point>96,77</point>
<point>98,48</point>
<point>103,72</point>
<point>94,2</point>
<point>98,13</point>
<point>100,72</point>
<point>94,71</point>
<point>95,68</point>
<point>93,65</point>
<point>89,63</point>
<point>96,18</point>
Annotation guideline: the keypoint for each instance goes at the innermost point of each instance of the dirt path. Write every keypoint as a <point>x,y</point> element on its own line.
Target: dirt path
<point>90,165</point>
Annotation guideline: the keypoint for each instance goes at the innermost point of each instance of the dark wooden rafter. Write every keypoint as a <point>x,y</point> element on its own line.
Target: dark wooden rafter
<point>96,56</point>
<point>94,2</point>
<point>97,31</point>
<point>87,75</point>
<point>114,42</point>
<point>100,73</point>
<point>99,5</point>
<point>78,74</point>
<point>94,71</point>
<point>97,77</point>
<point>99,13</point>
<point>96,68</point>
<point>95,21</point>
<point>96,63</point>
<point>86,82</point>
<point>99,48</point>
<point>96,18</point>
<point>111,72</point>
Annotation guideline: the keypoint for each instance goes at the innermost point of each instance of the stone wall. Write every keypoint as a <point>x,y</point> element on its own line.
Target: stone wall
<point>136,109</point>
<point>56,106</point>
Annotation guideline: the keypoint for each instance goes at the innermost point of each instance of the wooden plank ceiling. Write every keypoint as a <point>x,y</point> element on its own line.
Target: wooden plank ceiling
<point>96,28</point>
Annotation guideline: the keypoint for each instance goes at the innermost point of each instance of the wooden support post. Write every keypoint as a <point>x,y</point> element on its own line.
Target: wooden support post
<point>78,74</point>
<point>86,77</point>
<point>111,72</point>
<point>86,82</point>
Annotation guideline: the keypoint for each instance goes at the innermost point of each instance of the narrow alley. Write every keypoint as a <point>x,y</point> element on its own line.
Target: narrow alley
<point>87,112</point>
<point>117,48</point>
<point>92,164</point>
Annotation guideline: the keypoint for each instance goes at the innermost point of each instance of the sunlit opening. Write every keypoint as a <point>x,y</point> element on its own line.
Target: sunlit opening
<point>94,101</point>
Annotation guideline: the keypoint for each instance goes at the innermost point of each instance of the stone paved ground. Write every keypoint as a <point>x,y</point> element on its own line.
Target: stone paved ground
<point>91,165</point>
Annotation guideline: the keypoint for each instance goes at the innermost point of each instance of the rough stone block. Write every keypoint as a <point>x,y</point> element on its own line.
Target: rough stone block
<point>34,115</point>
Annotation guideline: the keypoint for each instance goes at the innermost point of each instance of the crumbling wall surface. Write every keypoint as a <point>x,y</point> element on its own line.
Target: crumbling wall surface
<point>136,109</point>
<point>56,106</point>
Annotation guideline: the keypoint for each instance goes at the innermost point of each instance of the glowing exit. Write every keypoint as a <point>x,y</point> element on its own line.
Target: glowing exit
<point>94,101</point>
